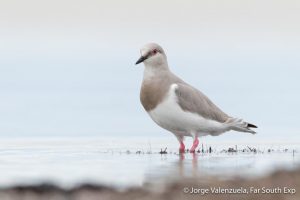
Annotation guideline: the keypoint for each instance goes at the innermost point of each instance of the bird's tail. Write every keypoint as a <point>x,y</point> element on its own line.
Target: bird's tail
<point>239,125</point>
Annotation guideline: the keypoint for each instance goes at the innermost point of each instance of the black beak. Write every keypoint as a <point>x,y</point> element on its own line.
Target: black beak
<point>141,59</point>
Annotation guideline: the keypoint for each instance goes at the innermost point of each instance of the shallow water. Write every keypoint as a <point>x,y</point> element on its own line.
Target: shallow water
<point>135,162</point>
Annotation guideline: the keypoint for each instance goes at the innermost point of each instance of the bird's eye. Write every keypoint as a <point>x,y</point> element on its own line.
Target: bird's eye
<point>154,51</point>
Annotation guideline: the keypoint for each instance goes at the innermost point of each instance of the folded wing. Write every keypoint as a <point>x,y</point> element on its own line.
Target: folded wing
<point>192,100</point>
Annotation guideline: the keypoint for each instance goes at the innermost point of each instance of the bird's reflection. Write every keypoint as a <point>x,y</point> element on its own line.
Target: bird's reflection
<point>201,165</point>
<point>182,162</point>
<point>195,165</point>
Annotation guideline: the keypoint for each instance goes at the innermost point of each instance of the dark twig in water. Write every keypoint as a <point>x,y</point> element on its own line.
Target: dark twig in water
<point>138,152</point>
<point>210,149</point>
<point>163,151</point>
<point>269,150</point>
<point>231,150</point>
<point>252,149</point>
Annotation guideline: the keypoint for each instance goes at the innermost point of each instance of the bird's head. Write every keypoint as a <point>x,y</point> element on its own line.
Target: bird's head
<point>152,55</point>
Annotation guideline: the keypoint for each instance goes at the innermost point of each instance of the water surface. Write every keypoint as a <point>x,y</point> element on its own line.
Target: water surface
<point>130,162</point>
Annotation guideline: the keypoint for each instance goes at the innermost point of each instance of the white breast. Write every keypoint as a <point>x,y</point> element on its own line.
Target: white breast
<point>169,115</point>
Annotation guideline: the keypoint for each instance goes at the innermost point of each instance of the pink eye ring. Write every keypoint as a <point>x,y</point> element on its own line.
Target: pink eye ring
<point>154,51</point>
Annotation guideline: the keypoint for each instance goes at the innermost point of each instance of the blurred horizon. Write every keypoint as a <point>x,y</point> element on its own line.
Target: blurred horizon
<point>67,67</point>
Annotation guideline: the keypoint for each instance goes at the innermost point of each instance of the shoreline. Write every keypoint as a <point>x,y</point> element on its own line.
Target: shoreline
<point>279,185</point>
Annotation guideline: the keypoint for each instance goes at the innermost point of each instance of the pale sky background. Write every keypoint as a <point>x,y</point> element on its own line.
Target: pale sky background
<point>67,66</point>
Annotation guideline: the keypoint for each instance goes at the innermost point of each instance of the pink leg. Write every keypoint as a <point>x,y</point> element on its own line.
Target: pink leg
<point>195,145</point>
<point>182,147</point>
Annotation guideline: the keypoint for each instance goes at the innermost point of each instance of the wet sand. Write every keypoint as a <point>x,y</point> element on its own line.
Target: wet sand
<point>280,184</point>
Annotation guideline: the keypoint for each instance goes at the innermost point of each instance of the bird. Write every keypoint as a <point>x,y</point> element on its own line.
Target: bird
<point>179,107</point>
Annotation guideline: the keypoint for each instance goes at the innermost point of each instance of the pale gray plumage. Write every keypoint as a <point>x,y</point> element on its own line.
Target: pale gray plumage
<point>192,100</point>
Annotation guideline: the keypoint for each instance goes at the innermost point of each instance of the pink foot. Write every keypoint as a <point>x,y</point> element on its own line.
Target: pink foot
<point>181,148</point>
<point>195,145</point>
